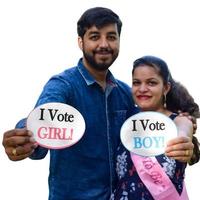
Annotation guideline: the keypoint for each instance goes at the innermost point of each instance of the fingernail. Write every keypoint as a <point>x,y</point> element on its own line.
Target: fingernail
<point>35,145</point>
<point>167,149</point>
<point>32,139</point>
<point>30,133</point>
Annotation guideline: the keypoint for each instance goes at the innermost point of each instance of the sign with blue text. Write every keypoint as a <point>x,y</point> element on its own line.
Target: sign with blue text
<point>147,133</point>
<point>56,125</point>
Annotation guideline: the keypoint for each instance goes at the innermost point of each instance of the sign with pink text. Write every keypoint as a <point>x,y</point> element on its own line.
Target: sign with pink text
<point>56,125</point>
<point>147,133</point>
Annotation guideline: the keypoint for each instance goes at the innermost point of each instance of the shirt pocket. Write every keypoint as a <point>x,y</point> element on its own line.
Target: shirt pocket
<point>117,118</point>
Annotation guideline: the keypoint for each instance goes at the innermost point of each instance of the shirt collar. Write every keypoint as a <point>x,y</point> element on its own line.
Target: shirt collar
<point>90,80</point>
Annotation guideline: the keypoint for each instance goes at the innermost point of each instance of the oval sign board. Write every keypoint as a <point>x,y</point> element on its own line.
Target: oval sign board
<point>56,125</point>
<point>147,133</point>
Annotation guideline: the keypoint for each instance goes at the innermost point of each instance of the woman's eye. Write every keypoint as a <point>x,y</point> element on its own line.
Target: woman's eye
<point>135,83</point>
<point>152,83</point>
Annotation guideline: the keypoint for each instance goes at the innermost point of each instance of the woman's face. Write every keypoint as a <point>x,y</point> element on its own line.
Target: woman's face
<point>148,88</point>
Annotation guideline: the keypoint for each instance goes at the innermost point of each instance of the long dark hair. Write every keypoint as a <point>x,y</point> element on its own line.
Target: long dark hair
<point>178,98</point>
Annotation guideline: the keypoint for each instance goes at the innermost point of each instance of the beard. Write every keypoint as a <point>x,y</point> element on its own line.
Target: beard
<point>102,65</point>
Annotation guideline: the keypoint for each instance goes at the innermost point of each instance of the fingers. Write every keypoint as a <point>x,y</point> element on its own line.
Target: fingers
<point>194,128</point>
<point>180,153</point>
<point>16,137</point>
<point>180,148</point>
<point>17,132</point>
<point>183,156</point>
<point>16,140</point>
<point>181,159</point>
<point>183,113</point>
<point>18,144</point>
<point>20,152</point>
<point>194,122</point>
<point>179,140</point>
<point>20,157</point>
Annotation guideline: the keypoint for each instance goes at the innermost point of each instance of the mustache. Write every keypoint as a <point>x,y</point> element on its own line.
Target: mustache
<point>104,50</point>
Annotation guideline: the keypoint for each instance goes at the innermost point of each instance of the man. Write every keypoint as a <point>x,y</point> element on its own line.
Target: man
<point>85,171</point>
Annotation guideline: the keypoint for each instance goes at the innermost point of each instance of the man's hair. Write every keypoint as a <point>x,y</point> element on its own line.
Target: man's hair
<point>98,17</point>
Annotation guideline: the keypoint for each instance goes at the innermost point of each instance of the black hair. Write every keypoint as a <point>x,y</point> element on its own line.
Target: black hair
<point>154,62</point>
<point>178,98</point>
<point>99,17</point>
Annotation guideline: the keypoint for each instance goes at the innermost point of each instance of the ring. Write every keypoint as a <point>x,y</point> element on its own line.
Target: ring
<point>187,152</point>
<point>14,152</point>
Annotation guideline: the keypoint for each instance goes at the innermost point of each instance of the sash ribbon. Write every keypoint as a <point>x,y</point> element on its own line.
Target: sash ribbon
<point>156,180</point>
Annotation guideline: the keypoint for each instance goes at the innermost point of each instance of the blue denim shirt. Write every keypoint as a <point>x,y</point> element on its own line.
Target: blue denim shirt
<point>86,171</point>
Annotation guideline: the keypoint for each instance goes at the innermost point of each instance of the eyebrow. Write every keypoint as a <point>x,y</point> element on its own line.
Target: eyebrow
<point>93,32</point>
<point>152,78</point>
<point>97,32</point>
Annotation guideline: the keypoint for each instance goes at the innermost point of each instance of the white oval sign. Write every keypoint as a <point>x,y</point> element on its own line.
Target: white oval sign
<point>147,133</point>
<point>56,125</point>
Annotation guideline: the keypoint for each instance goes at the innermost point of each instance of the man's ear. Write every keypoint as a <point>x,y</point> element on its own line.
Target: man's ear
<point>80,42</point>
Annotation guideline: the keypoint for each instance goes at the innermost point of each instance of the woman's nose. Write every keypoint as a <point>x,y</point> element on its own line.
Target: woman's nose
<point>143,88</point>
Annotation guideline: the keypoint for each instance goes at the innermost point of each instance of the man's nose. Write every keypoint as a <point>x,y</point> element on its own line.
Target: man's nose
<point>104,43</point>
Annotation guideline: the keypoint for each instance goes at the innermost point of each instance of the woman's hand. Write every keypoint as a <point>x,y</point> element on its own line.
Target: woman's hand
<point>180,148</point>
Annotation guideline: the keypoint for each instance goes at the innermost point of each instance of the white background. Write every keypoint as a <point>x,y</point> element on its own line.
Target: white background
<point>38,39</point>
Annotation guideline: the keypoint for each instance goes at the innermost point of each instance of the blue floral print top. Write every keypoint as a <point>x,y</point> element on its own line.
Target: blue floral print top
<point>131,187</point>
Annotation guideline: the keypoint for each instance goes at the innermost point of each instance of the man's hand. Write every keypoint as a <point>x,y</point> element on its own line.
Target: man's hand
<point>180,148</point>
<point>191,118</point>
<point>19,144</point>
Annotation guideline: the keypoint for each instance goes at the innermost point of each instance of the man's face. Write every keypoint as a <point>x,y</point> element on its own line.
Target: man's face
<point>100,47</point>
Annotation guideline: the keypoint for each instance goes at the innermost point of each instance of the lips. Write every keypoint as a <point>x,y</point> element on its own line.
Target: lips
<point>104,51</point>
<point>143,97</point>
<point>104,56</point>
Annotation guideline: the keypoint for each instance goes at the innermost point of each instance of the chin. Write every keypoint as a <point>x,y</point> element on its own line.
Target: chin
<point>143,105</point>
<point>146,109</point>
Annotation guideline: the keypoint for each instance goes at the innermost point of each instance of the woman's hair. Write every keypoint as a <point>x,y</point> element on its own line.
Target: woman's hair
<point>99,17</point>
<point>178,98</point>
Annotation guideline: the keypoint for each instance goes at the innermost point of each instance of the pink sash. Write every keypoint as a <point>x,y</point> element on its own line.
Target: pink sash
<point>156,180</point>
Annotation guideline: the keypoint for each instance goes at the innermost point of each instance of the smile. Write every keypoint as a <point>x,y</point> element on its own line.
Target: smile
<point>143,97</point>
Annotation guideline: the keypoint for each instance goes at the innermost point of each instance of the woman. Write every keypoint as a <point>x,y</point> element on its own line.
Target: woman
<point>154,90</point>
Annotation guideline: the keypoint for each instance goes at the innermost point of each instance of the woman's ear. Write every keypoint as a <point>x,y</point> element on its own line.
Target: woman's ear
<point>167,88</point>
<point>80,43</point>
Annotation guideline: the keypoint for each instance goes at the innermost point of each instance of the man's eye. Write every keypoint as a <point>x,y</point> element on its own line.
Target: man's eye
<point>112,38</point>
<point>94,37</point>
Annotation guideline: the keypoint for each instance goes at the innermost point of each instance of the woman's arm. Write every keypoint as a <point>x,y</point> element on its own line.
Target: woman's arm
<point>184,126</point>
<point>181,147</point>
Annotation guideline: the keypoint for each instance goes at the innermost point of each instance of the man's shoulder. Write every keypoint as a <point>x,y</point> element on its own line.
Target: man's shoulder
<point>68,71</point>
<point>67,75</point>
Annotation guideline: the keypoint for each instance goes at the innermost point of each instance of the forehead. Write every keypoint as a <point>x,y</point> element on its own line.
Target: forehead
<point>109,28</point>
<point>145,71</point>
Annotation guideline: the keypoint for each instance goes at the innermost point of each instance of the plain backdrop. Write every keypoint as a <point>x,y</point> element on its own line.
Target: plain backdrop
<point>38,39</point>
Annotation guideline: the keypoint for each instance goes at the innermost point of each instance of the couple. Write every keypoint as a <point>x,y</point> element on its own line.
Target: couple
<point>87,170</point>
